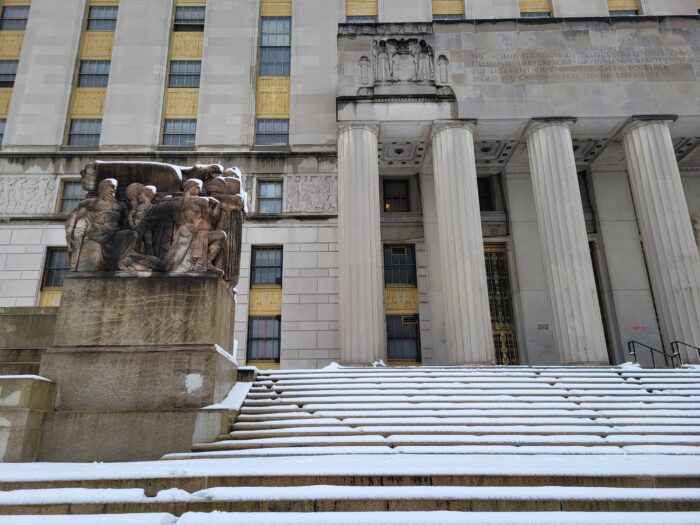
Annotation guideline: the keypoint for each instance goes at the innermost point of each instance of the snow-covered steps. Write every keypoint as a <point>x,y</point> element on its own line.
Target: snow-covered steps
<point>487,409</point>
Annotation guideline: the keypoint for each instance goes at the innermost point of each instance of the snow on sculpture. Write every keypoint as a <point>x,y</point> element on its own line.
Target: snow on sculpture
<point>147,216</point>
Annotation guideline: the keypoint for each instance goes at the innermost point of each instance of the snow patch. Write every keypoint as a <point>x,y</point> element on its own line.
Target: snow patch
<point>193,382</point>
<point>234,399</point>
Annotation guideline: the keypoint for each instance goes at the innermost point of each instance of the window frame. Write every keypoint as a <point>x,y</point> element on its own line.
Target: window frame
<point>3,125</point>
<point>362,19</point>
<point>183,26</point>
<point>173,121</point>
<point>257,279</point>
<point>21,26</point>
<point>10,73</point>
<point>394,273</point>
<point>61,194</point>
<point>282,135</point>
<point>395,198</point>
<point>268,42</point>
<point>417,339</point>
<point>72,134</point>
<point>260,198</point>
<point>100,80</point>
<point>48,268</point>
<point>195,74</point>
<point>451,17</point>
<point>250,339</point>
<point>106,24</point>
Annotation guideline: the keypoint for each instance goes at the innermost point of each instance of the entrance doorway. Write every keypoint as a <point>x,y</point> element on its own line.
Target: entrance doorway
<point>501,305</point>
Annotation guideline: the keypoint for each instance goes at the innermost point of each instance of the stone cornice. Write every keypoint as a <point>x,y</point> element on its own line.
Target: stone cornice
<point>442,125</point>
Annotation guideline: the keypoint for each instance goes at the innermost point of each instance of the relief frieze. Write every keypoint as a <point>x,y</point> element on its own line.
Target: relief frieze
<point>27,194</point>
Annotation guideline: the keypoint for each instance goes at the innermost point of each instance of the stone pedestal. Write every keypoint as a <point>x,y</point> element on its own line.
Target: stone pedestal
<point>578,325</point>
<point>468,318</point>
<point>361,286</point>
<point>667,233</point>
<point>134,360</point>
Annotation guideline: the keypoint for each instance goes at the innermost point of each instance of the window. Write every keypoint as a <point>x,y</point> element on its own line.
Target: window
<point>443,18</point>
<point>275,46</point>
<point>272,131</point>
<point>8,72</point>
<point>369,19</point>
<point>624,12</point>
<point>85,132</point>
<point>14,18</point>
<point>179,132</point>
<point>189,18</point>
<point>264,338</point>
<point>93,73</point>
<point>266,265</point>
<point>2,129</point>
<point>399,264</point>
<point>623,7</point>
<point>102,18</point>
<point>396,196</point>
<point>72,193</point>
<point>270,196</point>
<point>403,337</point>
<point>185,73</point>
<point>535,14</point>
<point>57,266</point>
<point>485,188</point>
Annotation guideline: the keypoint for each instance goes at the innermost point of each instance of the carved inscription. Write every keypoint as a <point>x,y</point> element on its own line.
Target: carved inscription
<point>311,194</point>
<point>583,65</point>
<point>27,195</point>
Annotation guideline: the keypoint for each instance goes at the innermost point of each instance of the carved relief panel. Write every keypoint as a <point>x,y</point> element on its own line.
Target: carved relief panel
<point>27,194</point>
<point>311,194</point>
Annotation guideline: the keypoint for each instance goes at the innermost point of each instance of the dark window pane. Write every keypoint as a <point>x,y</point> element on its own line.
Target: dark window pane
<point>486,200</point>
<point>403,337</point>
<point>71,195</point>
<point>102,18</point>
<point>442,18</point>
<point>399,264</point>
<point>57,266</point>
<point>270,197</point>
<point>85,132</point>
<point>179,132</point>
<point>14,18</point>
<point>189,18</point>
<point>185,73</point>
<point>275,50</point>
<point>2,129</point>
<point>8,72</point>
<point>266,265</point>
<point>361,19</point>
<point>536,14</point>
<point>264,338</point>
<point>272,131</point>
<point>93,73</point>
<point>396,196</point>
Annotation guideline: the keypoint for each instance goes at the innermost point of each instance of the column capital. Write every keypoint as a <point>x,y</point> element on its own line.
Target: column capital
<point>639,121</point>
<point>546,122</point>
<point>370,126</point>
<point>441,125</point>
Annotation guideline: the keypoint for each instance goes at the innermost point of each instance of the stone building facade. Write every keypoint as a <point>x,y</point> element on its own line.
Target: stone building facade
<point>433,181</point>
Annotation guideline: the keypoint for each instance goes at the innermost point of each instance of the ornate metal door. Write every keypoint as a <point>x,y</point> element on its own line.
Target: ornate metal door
<point>500,301</point>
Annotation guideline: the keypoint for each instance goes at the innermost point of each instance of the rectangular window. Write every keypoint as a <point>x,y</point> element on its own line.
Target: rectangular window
<point>369,19</point>
<point>2,129</point>
<point>400,264</point>
<point>72,193</point>
<point>14,18</point>
<point>403,337</point>
<point>264,338</point>
<point>102,18</point>
<point>185,73</point>
<point>275,46</point>
<point>179,132</point>
<point>270,196</point>
<point>93,73</point>
<point>8,72</point>
<point>189,18</point>
<point>266,265</point>
<point>444,18</point>
<point>535,8</point>
<point>85,132</point>
<point>396,196</point>
<point>56,268</point>
<point>270,132</point>
<point>486,197</point>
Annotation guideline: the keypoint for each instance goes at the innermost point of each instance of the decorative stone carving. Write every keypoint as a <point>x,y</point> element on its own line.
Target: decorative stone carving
<point>311,193</point>
<point>157,217</point>
<point>27,194</point>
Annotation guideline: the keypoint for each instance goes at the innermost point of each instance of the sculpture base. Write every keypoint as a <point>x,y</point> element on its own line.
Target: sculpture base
<point>134,360</point>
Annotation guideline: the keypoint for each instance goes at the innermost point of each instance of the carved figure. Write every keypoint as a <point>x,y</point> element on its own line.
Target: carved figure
<point>403,62</point>
<point>95,243</point>
<point>141,200</point>
<point>382,62</point>
<point>426,69</point>
<point>195,243</point>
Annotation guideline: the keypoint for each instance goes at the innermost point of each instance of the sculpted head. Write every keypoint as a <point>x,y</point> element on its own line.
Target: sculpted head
<point>107,189</point>
<point>148,194</point>
<point>193,187</point>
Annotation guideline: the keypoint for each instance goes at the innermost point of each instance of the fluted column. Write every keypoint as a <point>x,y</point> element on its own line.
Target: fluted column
<point>667,233</point>
<point>361,291</point>
<point>467,313</point>
<point>578,326</point>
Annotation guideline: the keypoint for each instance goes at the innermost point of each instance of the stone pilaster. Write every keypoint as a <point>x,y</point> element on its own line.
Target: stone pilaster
<point>361,288</point>
<point>667,233</point>
<point>578,326</point>
<point>467,313</point>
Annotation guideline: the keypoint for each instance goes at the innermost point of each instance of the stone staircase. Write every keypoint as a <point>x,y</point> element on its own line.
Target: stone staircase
<point>412,445</point>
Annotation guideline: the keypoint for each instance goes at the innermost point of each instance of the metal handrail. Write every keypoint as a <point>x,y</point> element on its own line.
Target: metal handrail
<point>633,352</point>
<point>675,347</point>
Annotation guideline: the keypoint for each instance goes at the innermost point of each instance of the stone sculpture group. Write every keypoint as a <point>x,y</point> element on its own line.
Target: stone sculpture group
<point>192,224</point>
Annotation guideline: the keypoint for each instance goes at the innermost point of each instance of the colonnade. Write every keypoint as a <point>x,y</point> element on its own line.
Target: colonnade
<point>666,232</point>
